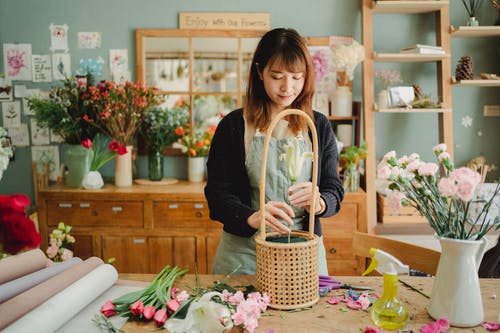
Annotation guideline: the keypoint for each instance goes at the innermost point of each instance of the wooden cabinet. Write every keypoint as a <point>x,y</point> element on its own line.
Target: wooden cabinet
<point>338,232</point>
<point>147,227</point>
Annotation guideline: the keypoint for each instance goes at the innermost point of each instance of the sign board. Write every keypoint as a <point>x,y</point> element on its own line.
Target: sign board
<point>238,21</point>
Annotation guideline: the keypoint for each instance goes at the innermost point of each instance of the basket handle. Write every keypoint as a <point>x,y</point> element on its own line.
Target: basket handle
<point>263,167</point>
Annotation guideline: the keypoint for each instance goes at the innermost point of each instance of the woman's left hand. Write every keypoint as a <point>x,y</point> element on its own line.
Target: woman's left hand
<point>300,194</point>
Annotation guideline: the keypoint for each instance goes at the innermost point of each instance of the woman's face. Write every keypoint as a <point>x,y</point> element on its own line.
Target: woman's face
<point>282,86</point>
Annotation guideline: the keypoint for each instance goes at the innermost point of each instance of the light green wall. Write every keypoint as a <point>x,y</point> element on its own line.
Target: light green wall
<point>27,21</point>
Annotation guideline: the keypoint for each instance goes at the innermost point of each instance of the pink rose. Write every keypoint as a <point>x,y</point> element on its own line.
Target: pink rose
<point>67,254</point>
<point>52,251</point>
<point>466,181</point>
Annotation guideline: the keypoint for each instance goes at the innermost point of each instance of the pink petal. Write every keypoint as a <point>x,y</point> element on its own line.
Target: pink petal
<point>491,326</point>
<point>354,305</point>
<point>371,329</point>
<point>332,300</point>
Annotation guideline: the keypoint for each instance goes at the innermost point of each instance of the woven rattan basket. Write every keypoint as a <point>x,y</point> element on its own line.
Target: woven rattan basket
<point>288,272</point>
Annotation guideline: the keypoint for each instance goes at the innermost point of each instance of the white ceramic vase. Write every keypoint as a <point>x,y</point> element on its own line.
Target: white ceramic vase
<point>342,102</point>
<point>456,294</point>
<point>383,101</point>
<point>93,180</point>
<point>123,168</point>
<point>196,169</point>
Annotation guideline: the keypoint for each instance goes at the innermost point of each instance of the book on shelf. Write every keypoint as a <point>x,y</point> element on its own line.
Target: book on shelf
<point>423,49</point>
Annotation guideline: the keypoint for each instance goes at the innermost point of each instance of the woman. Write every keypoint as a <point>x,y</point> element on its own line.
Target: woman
<point>281,77</point>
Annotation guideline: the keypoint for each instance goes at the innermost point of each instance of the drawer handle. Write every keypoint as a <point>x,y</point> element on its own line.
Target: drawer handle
<point>173,206</point>
<point>333,250</point>
<point>117,209</point>
<point>84,205</point>
<point>65,205</point>
<point>199,214</point>
<point>199,205</point>
<point>94,213</point>
<point>139,241</point>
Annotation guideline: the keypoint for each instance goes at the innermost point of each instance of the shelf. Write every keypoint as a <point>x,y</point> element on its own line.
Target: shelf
<point>408,57</point>
<point>465,31</point>
<point>407,7</point>
<point>477,83</point>
<point>405,110</point>
<point>343,117</point>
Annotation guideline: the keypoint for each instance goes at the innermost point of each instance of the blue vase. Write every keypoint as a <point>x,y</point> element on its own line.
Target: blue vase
<point>77,160</point>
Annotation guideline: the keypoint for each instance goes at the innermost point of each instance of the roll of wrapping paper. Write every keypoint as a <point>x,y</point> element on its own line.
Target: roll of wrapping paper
<point>21,264</point>
<point>19,285</point>
<point>60,308</point>
<point>18,306</point>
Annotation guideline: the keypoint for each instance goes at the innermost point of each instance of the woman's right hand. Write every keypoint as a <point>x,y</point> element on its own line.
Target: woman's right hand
<point>274,211</point>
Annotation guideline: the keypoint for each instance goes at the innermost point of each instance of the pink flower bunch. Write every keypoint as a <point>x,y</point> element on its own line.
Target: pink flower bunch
<point>60,243</point>
<point>388,77</point>
<point>444,199</point>
<point>248,310</point>
<point>320,65</point>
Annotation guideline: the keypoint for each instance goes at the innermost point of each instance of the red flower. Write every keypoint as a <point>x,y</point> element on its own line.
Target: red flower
<point>160,317</point>
<point>87,143</point>
<point>113,145</point>
<point>18,232</point>
<point>200,144</point>
<point>192,152</point>
<point>179,131</point>
<point>137,308</point>
<point>148,312</point>
<point>122,150</point>
<point>108,309</point>
<point>13,203</point>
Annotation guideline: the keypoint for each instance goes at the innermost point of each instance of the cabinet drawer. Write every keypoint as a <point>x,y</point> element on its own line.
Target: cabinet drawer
<point>181,214</point>
<point>96,213</point>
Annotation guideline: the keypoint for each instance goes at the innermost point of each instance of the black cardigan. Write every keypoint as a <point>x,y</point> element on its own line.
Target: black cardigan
<point>228,189</point>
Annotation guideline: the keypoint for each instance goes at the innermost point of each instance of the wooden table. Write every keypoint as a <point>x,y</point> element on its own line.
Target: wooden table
<point>325,318</point>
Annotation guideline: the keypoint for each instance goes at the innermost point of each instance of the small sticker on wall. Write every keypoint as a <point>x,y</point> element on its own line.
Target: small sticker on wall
<point>89,40</point>
<point>466,121</point>
<point>59,37</point>
<point>17,61</point>
<point>61,65</point>
<point>11,114</point>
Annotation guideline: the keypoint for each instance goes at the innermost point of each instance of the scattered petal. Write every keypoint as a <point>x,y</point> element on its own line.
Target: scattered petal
<point>332,300</point>
<point>371,329</point>
<point>490,326</point>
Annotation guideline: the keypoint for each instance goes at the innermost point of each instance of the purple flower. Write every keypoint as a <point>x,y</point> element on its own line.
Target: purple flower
<point>320,65</point>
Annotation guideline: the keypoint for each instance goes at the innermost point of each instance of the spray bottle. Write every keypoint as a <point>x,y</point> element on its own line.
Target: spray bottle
<point>388,312</point>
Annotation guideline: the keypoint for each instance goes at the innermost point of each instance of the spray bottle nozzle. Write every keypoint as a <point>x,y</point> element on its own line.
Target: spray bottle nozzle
<point>384,262</point>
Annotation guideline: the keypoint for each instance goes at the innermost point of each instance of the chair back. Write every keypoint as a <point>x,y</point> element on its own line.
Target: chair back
<point>417,257</point>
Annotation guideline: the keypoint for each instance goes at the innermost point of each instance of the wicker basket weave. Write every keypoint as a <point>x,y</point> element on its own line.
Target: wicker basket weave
<point>288,272</point>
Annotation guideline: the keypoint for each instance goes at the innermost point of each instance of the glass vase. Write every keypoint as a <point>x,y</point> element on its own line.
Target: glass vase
<point>383,101</point>
<point>351,179</point>
<point>155,165</point>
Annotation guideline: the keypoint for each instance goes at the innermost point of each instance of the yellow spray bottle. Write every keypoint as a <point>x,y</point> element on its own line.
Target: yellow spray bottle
<point>388,312</point>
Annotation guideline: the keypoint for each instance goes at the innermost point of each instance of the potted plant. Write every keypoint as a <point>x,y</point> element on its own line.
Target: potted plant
<point>158,132</point>
<point>64,114</point>
<point>349,161</point>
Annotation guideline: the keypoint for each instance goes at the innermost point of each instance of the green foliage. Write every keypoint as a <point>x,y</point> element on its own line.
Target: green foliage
<point>158,127</point>
<point>352,155</point>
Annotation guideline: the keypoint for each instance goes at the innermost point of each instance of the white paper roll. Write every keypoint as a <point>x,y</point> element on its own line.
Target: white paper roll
<point>57,310</point>
<point>344,134</point>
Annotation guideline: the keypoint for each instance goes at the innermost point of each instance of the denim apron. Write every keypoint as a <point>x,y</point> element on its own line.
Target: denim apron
<point>237,254</point>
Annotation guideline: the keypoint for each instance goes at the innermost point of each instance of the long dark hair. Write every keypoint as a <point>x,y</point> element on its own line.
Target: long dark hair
<point>287,48</point>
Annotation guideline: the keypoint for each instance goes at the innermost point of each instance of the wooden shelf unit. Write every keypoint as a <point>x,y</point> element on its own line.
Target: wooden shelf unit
<point>483,31</point>
<point>440,12</point>
<point>477,83</point>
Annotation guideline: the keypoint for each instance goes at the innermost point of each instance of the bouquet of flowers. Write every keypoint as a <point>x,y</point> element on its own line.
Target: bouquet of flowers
<point>17,230</point>
<point>64,111</point>
<point>5,152</point>
<point>60,243</point>
<point>103,149</point>
<point>120,108</point>
<point>444,200</point>
<point>346,58</point>
<point>195,144</point>
<point>158,128</point>
<point>349,161</point>
<point>387,77</point>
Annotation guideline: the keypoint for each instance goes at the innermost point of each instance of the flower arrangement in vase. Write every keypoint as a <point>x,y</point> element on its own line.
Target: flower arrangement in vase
<point>446,201</point>
<point>120,110</point>
<point>386,77</point>
<point>60,243</point>
<point>103,150</point>
<point>345,58</point>
<point>158,132</point>
<point>17,231</point>
<point>349,160</point>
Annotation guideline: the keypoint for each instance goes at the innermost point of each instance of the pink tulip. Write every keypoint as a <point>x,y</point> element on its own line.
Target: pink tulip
<point>172,305</point>
<point>137,308</point>
<point>160,317</point>
<point>108,309</point>
<point>87,143</point>
<point>148,312</point>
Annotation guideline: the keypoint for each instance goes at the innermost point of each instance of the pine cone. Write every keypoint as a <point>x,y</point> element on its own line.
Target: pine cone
<point>419,93</point>
<point>464,70</point>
